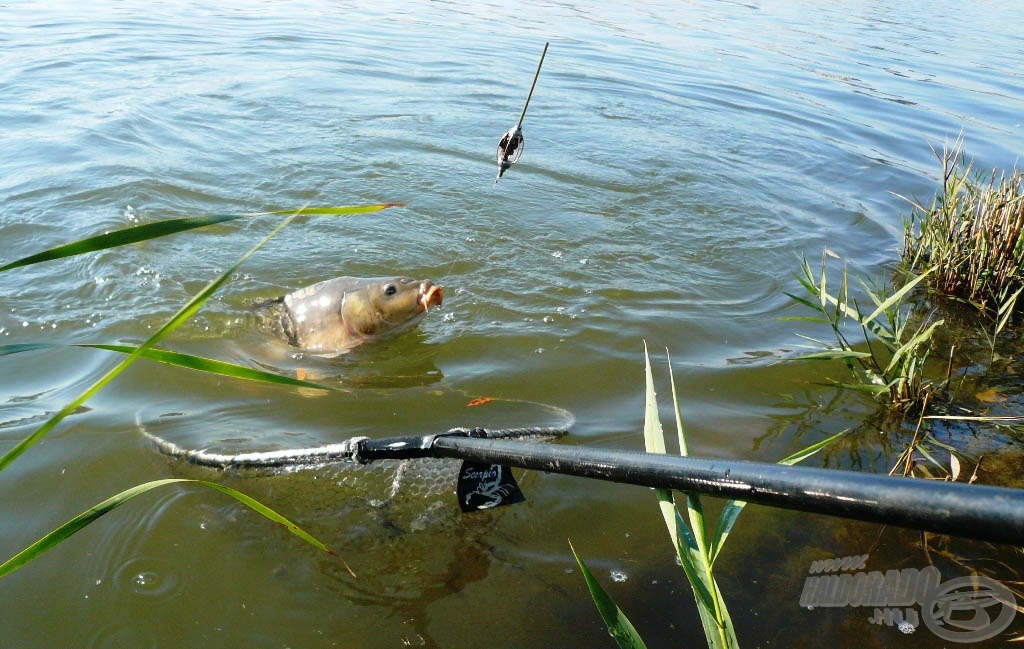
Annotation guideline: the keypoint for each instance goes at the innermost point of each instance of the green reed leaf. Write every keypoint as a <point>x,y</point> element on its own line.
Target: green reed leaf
<point>867,388</point>
<point>267,513</point>
<point>619,626</point>
<point>181,316</point>
<point>804,318</point>
<point>189,361</point>
<point>807,452</point>
<point>689,541</point>
<point>726,521</point>
<point>654,438</point>
<point>693,561</point>
<point>911,346</point>
<point>694,505</point>
<point>654,442</point>
<point>62,533</point>
<point>832,354</point>
<point>733,508</point>
<point>147,231</point>
<point>896,297</point>
<point>1006,310</point>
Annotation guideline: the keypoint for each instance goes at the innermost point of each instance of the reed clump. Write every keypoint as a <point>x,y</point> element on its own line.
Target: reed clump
<point>971,236</point>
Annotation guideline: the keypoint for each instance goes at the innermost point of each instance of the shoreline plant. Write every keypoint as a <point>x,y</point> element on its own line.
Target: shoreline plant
<point>968,247</point>
<point>971,236</point>
<point>965,250</point>
<point>888,359</point>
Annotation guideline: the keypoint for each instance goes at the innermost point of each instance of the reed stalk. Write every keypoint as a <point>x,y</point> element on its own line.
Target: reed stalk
<point>971,236</point>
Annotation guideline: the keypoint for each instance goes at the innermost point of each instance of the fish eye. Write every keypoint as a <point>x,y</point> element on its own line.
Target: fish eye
<point>390,289</point>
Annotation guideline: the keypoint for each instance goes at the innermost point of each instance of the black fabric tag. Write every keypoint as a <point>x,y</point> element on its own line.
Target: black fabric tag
<point>482,486</point>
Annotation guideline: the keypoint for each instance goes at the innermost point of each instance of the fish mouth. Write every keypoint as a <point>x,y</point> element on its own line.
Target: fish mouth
<point>430,295</point>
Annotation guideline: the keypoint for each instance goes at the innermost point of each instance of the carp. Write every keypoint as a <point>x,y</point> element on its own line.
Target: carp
<point>332,317</point>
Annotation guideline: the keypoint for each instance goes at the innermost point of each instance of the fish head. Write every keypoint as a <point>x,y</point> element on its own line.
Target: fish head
<point>385,307</point>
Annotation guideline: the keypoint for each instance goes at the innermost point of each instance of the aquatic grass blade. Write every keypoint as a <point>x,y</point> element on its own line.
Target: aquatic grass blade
<point>928,456</point>
<point>896,297</point>
<point>807,452</point>
<point>694,504</point>
<point>181,316</point>
<point>122,237</point>
<point>910,347</point>
<point>714,614</point>
<point>147,231</point>
<point>268,513</point>
<point>899,370</point>
<point>654,442</point>
<point>702,583</point>
<point>803,318</point>
<point>842,297</point>
<point>188,361</point>
<point>689,541</point>
<point>62,533</point>
<point>816,341</point>
<point>832,355</point>
<point>693,562</point>
<point>867,388</point>
<point>618,624</point>
<point>733,508</point>
<point>1006,309</point>
<point>680,430</point>
<point>726,521</point>
<point>654,438</point>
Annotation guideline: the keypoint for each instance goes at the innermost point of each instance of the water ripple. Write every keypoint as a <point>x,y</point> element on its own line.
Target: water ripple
<point>158,578</point>
<point>117,636</point>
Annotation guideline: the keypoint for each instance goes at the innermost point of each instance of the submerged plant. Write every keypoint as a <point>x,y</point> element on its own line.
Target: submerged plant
<point>971,236</point>
<point>922,455</point>
<point>888,360</point>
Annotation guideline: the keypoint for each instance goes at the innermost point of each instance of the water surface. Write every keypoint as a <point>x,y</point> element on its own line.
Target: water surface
<point>680,159</point>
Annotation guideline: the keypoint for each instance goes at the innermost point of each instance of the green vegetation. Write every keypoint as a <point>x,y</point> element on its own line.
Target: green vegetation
<point>888,359</point>
<point>697,551</point>
<point>63,532</point>
<point>619,626</point>
<point>971,236</point>
<point>147,350</point>
<point>966,248</point>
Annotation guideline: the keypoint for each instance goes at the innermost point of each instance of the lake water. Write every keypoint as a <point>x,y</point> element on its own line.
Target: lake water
<point>680,159</point>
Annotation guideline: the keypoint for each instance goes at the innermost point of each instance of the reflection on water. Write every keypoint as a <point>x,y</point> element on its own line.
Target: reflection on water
<point>681,159</point>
